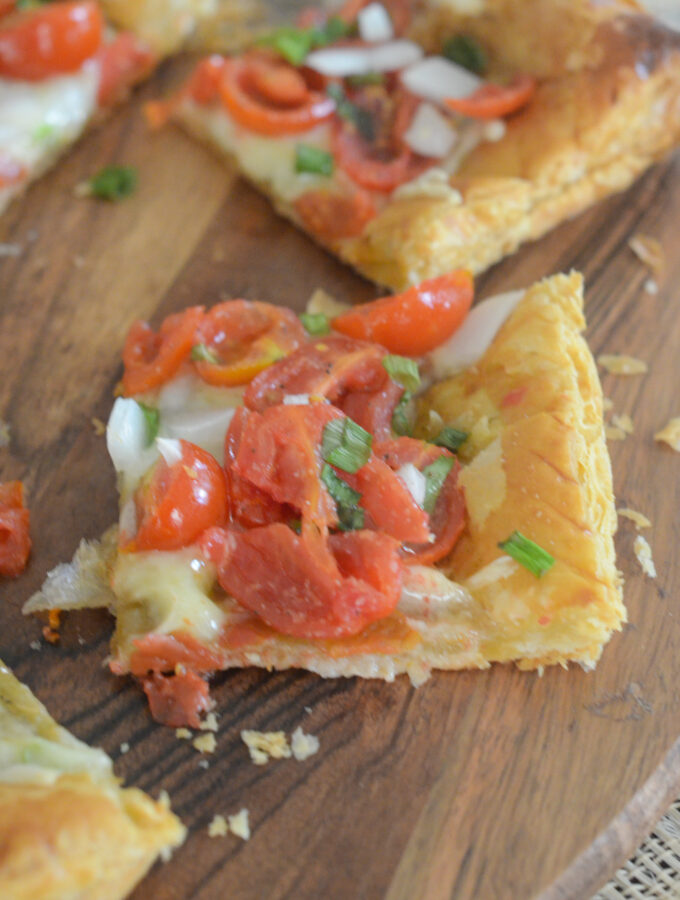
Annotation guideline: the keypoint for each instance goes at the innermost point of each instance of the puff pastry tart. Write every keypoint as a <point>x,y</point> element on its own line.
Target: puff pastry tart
<point>352,521</point>
<point>411,138</point>
<point>67,829</point>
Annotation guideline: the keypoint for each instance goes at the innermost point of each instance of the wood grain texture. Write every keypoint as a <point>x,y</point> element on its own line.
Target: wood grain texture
<point>490,784</point>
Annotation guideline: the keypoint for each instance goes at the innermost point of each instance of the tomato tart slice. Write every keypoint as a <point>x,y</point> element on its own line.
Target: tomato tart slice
<point>393,488</point>
<point>411,138</point>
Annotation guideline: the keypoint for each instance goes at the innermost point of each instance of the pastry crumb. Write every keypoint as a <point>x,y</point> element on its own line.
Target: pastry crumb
<point>239,824</point>
<point>649,251</point>
<point>624,422</point>
<point>640,520</point>
<point>643,552</point>
<point>321,302</point>
<point>209,723</point>
<point>11,250</point>
<point>614,434</point>
<point>620,364</point>
<point>203,764</point>
<point>266,745</point>
<point>183,733</point>
<point>607,404</point>
<point>124,747</point>
<point>303,745</point>
<point>218,827</point>
<point>651,287</point>
<point>205,743</point>
<point>164,798</point>
<point>98,425</point>
<point>670,434</point>
<point>35,645</point>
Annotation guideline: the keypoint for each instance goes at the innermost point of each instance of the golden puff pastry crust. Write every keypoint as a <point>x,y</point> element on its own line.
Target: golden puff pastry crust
<point>67,829</point>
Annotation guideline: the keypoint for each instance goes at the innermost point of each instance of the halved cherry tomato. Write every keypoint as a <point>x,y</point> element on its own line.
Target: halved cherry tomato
<point>122,63</point>
<point>277,83</point>
<point>294,583</point>
<point>178,699</point>
<point>150,359</point>
<point>448,517</point>
<point>176,503</point>
<point>414,322</point>
<point>6,6</point>
<point>334,216</point>
<point>165,652</point>
<point>204,84</point>
<point>241,86</point>
<point>245,337</point>
<point>15,540</point>
<point>50,40</point>
<point>372,170</point>
<point>493,101</point>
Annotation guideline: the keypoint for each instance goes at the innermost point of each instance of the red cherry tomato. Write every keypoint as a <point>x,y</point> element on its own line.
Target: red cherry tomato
<point>493,101</point>
<point>150,359</point>
<point>412,323</point>
<point>122,63</point>
<point>368,169</point>
<point>176,503</point>
<point>245,337</point>
<point>333,216</point>
<point>51,40</point>
<point>178,699</point>
<point>15,540</point>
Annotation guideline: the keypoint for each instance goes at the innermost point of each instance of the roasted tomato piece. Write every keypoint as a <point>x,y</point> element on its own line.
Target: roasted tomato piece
<point>348,373</point>
<point>416,321</point>
<point>167,652</point>
<point>294,584</point>
<point>122,63</point>
<point>493,101</point>
<point>178,699</point>
<point>271,97</point>
<point>49,40</point>
<point>333,215</point>
<point>239,338</point>
<point>15,520</point>
<point>150,359</point>
<point>448,517</point>
<point>280,453</point>
<point>175,503</point>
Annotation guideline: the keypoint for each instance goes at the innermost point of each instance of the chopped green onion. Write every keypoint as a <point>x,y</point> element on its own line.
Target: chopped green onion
<point>401,420</point>
<point>203,353</point>
<point>435,476</point>
<point>153,418</point>
<point>467,52</point>
<point>524,551</point>
<point>451,438</point>
<point>334,30</point>
<point>316,324</point>
<point>113,182</point>
<point>350,515</point>
<point>365,80</point>
<point>402,370</point>
<point>293,44</point>
<point>314,160</point>
<point>350,112</point>
<point>346,445</point>
<point>44,132</point>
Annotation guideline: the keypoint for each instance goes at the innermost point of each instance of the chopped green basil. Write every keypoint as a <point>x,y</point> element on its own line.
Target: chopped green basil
<point>293,44</point>
<point>113,182</point>
<point>435,476</point>
<point>350,112</point>
<point>524,551</point>
<point>401,418</point>
<point>316,324</point>
<point>152,417</point>
<point>451,438</point>
<point>203,353</point>
<point>314,160</point>
<point>467,52</point>
<point>402,370</point>
<point>350,515</point>
<point>346,445</point>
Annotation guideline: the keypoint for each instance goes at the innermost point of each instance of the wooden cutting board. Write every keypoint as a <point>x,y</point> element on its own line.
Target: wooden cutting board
<point>490,784</point>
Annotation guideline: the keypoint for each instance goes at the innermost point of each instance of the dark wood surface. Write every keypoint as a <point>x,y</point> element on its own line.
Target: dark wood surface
<point>490,784</point>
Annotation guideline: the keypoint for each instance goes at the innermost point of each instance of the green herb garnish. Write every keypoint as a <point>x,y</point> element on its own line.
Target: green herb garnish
<point>316,324</point>
<point>524,551</point>
<point>351,112</point>
<point>451,438</point>
<point>435,476</point>
<point>314,160</point>
<point>402,370</point>
<point>203,353</point>
<point>152,417</point>
<point>350,515</point>
<point>294,44</point>
<point>113,182</point>
<point>465,51</point>
<point>401,419</point>
<point>346,445</point>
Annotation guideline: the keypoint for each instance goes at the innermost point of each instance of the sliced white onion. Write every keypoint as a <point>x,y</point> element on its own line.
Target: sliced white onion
<point>438,79</point>
<point>375,24</point>
<point>426,591</point>
<point>340,62</point>
<point>471,341</point>
<point>127,521</point>
<point>430,133</point>
<point>170,449</point>
<point>204,427</point>
<point>414,481</point>
<point>296,400</point>
<point>127,439</point>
